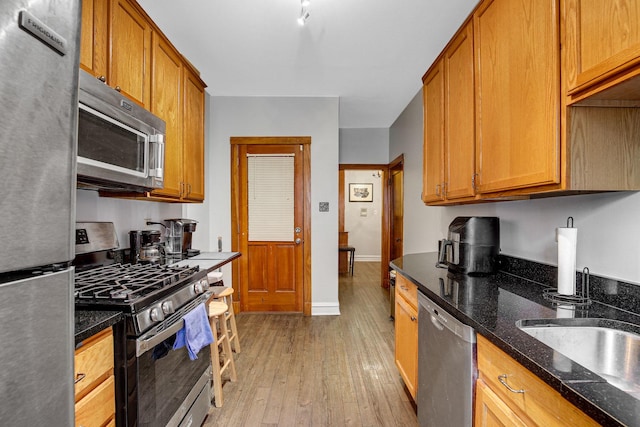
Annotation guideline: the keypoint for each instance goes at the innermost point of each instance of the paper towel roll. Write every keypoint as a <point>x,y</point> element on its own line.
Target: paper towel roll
<point>567,239</point>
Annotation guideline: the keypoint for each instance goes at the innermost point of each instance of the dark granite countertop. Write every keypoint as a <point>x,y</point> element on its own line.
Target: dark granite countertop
<point>493,304</point>
<point>89,323</point>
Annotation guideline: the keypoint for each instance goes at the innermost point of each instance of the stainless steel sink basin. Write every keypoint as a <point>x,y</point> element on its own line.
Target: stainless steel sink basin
<point>608,348</point>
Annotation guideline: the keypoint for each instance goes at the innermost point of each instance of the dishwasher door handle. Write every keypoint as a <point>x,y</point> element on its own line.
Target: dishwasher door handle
<point>436,322</point>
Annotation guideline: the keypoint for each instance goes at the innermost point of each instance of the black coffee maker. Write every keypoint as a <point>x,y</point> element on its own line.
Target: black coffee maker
<point>145,246</point>
<point>472,246</point>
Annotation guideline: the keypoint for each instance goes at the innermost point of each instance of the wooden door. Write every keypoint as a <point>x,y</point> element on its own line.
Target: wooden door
<point>193,138</point>
<point>433,93</point>
<point>166,69</point>
<point>272,268</point>
<point>130,50</point>
<point>517,79</point>
<point>397,212</point>
<point>459,117</point>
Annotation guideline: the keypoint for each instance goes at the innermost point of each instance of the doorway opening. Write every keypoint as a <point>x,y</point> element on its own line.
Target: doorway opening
<point>359,214</point>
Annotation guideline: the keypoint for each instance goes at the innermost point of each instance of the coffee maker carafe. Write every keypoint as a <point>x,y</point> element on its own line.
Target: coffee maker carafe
<point>179,234</point>
<point>145,246</point>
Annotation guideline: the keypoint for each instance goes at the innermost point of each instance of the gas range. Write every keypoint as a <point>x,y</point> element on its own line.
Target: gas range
<point>147,293</point>
<point>154,383</point>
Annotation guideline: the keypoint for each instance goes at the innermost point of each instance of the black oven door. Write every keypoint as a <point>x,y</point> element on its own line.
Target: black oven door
<point>166,380</point>
<point>161,383</point>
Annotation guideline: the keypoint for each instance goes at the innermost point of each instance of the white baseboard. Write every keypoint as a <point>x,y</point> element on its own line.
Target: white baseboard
<point>325,309</point>
<point>369,258</point>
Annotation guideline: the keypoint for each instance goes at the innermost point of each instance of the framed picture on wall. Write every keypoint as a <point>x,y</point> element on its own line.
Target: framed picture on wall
<point>361,192</point>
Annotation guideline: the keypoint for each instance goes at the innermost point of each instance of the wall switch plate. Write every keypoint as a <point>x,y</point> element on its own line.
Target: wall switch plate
<point>323,207</point>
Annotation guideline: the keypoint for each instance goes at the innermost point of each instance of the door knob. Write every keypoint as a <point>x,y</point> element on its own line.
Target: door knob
<point>298,241</point>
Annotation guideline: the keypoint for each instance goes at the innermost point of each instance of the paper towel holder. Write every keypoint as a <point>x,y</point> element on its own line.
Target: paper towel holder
<point>571,301</point>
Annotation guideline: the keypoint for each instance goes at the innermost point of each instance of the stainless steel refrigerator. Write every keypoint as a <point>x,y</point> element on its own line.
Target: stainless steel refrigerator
<point>39,42</point>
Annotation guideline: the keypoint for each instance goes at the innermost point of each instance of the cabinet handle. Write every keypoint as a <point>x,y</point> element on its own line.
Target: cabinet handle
<point>79,377</point>
<point>473,181</point>
<point>413,318</point>
<point>103,79</point>
<point>437,189</point>
<point>118,88</point>
<point>503,380</point>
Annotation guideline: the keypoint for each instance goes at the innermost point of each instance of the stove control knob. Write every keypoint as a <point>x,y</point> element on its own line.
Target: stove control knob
<point>167,307</point>
<point>201,286</point>
<point>156,314</point>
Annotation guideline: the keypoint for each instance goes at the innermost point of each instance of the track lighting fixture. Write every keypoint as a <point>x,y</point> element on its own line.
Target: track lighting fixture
<point>304,12</point>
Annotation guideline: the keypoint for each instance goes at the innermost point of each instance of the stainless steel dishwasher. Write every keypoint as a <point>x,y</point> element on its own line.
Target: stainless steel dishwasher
<point>447,367</point>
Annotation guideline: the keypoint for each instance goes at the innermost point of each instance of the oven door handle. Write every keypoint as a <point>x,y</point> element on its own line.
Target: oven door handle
<point>144,344</point>
<point>151,339</point>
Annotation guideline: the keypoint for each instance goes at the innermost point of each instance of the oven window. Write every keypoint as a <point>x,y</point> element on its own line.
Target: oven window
<point>165,378</point>
<point>104,141</point>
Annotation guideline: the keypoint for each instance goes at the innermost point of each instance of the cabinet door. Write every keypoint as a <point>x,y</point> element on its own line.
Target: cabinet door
<point>433,149</point>
<point>193,137</point>
<point>166,103</point>
<point>518,94</point>
<point>459,117</point>
<point>406,352</point>
<point>130,61</point>
<point>605,39</point>
<point>491,411</point>
<point>93,38</point>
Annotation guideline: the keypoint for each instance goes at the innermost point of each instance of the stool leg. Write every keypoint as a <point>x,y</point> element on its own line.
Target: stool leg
<point>226,348</point>
<point>215,363</point>
<point>235,341</point>
<point>353,255</point>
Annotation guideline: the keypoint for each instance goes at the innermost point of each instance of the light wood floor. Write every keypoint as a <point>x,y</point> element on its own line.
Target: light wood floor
<point>320,370</point>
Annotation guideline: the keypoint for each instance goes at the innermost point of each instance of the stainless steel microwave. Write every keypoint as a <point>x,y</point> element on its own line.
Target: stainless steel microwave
<point>120,144</point>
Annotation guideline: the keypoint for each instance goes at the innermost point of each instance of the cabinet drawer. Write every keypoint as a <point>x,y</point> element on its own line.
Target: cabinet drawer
<point>407,290</point>
<point>539,402</point>
<point>97,407</point>
<point>93,362</point>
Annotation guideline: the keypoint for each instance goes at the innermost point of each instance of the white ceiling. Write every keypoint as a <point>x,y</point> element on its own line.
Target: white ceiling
<point>371,54</point>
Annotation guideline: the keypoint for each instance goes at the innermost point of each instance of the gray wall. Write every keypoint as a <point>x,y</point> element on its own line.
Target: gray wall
<point>277,116</point>
<point>364,146</point>
<point>608,229</point>
<point>363,220</point>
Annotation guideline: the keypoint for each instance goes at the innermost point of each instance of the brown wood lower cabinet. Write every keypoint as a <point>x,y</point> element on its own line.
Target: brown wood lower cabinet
<point>94,381</point>
<point>406,329</point>
<point>530,402</point>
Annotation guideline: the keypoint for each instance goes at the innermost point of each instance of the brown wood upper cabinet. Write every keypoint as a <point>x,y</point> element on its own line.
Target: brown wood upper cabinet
<point>449,145</point>
<point>543,122</point>
<point>518,94</point>
<point>122,46</point>
<point>603,38</point>
<point>115,47</point>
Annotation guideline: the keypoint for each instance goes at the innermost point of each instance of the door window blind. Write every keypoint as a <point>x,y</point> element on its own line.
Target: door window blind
<point>271,197</point>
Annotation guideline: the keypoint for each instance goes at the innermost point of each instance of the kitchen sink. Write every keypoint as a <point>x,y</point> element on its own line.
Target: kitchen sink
<point>609,348</point>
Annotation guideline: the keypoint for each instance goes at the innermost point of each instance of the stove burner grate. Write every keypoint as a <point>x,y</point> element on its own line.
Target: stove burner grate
<point>127,282</point>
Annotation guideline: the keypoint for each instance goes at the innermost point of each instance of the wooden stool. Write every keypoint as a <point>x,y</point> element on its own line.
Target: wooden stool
<point>226,296</point>
<point>217,310</point>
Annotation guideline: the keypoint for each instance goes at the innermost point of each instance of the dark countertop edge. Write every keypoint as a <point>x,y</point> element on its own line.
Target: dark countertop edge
<point>89,323</point>
<point>572,392</point>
